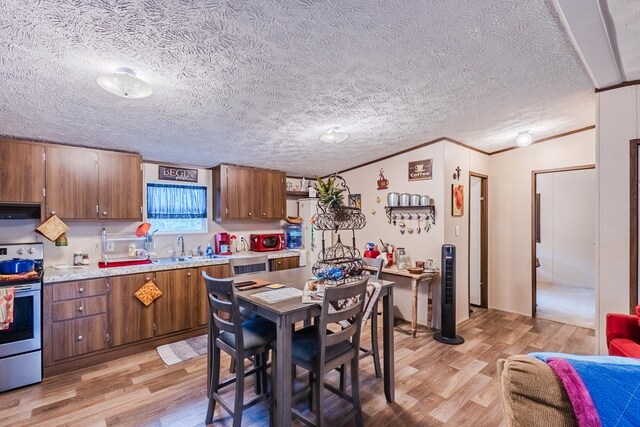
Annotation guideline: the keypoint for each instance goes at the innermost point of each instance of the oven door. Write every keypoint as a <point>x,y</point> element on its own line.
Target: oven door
<point>23,334</point>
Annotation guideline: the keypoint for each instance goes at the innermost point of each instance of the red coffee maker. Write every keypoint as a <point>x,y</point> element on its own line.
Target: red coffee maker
<point>223,244</point>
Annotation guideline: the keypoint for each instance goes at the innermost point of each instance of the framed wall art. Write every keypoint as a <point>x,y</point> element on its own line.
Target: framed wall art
<point>421,169</point>
<point>457,199</point>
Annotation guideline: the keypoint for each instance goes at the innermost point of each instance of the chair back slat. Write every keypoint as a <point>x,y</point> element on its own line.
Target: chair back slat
<point>377,263</point>
<point>224,313</point>
<point>240,266</point>
<point>354,293</point>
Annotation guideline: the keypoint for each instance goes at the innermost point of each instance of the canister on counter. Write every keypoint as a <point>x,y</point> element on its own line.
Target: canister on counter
<point>77,258</point>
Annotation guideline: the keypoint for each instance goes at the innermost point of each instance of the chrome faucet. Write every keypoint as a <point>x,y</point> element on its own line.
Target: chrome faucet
<point>181,243</point>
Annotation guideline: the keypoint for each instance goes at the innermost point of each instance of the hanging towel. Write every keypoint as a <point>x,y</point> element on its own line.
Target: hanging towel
<point>6,308</point>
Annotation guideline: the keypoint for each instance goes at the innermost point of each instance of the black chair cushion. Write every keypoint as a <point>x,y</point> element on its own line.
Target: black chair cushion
<point>258,332</point>
<point>305,346</point>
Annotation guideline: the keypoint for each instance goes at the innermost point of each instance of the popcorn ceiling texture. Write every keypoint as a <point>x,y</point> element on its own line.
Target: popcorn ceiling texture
<point>625,32</point>
<point>257,82</point>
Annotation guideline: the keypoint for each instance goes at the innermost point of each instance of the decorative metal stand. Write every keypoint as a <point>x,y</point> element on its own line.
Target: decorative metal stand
<point>340,263</point>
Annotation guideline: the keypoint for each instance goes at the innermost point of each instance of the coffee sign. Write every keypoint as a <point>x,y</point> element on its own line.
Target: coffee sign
<point>420,169</point>
<point>177,174</point>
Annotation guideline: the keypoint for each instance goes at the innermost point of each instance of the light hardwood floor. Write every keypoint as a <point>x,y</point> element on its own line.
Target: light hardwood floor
<point>436,384</point>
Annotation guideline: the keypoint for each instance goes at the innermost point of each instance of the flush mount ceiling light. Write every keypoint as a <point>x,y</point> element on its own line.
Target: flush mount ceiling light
<point>333,136</point>
<point>123,82</point>
<point>524,138</point>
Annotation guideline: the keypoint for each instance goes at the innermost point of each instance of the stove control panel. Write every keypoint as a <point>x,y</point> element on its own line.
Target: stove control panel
<point>33,250</point>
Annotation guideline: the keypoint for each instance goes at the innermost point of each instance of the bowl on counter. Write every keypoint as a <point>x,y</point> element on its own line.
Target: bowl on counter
<point>415,270</point>
<point>405,199</point>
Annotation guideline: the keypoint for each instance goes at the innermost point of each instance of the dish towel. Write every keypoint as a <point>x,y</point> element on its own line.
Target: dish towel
<point>6,308</point>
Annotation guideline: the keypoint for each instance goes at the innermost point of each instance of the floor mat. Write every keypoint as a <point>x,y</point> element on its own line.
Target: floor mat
<point>183,350</point>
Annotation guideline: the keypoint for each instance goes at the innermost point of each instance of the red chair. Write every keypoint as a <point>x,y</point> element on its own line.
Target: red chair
<point>623,334</point>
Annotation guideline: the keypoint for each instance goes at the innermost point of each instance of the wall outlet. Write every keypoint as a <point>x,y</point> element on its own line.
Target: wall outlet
<point>457,230</point>
<point>111,246</point>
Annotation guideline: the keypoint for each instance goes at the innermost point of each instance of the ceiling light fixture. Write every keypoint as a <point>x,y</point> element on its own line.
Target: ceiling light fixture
<point>123,82</point>
<point>524,138</point>
<point>333,136</point>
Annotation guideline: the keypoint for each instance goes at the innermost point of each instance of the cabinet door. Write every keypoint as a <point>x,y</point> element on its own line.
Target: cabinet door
<point>273,197</point>
<point>79,336</point>
<point>242,195</point>
<point>174,309</point>
<point>72,182</point>
<point>285,263</point>
<point>120,182</point>
<point>215,271</point>
<point>21,172</point>
<point>130,320</point>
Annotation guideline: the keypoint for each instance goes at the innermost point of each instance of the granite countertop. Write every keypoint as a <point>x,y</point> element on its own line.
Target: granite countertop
<point>54,274</point>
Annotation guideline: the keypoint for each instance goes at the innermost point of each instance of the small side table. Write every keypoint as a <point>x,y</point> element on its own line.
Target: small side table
<point>426,277</point>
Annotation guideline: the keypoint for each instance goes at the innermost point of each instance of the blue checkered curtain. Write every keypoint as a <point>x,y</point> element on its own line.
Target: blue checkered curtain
<point>165,201</point>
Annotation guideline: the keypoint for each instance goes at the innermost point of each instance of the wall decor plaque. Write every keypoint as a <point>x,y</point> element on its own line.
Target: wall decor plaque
<point>170,173</point>
<point>420,169</point>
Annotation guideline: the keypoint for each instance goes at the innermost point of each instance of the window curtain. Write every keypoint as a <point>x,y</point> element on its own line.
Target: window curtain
<point>176,201</point>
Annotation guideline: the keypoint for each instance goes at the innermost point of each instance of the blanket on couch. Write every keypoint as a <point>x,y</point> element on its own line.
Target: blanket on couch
<point>603,390</point>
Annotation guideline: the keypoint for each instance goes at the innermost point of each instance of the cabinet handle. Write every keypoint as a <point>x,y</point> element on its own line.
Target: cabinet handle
<point>250,213</point>
<point>107,287</point>
<point>279,262</point>
<point>79,337</point>
<point>264,214</point>
<point>81,308</point>
<point>104,213</point>
<point>147,279</point>
<point>188,274</point>
<point>81,290</point>
<point>108,337</point>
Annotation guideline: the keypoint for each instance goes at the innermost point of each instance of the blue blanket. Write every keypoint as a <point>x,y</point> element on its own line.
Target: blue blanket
<point>612,382</point>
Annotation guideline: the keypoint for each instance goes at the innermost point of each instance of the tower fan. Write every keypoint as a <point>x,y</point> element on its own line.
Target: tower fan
<point>447,334</point>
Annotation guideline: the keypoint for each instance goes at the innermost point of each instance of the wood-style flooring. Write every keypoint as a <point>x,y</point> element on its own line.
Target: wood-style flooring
<point>436,384</point>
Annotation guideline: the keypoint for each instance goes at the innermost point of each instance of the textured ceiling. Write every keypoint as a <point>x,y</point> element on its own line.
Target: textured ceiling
<point>257,82</point>
<point>625,33</point>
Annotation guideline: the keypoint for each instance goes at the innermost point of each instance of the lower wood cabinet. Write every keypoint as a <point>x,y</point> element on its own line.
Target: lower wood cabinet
<point>284,263</point>
<point>174,310</point>
<point>130,320</point>
<point>93,317</point>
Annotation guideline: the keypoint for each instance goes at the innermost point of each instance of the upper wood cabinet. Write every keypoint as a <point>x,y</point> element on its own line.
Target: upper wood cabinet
<point>120,186</point>
<point>248,193</point>
<point>21,172</point>
<point>89,184</point>
<point>72,182</point>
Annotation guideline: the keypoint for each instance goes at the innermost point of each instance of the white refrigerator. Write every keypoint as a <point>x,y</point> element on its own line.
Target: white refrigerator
<point>311,242</point>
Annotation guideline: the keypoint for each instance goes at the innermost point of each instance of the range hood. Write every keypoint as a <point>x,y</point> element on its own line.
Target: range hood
<point>19,211</point>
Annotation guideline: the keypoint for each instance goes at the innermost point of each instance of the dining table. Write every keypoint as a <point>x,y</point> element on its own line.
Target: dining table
<point>287,313</point>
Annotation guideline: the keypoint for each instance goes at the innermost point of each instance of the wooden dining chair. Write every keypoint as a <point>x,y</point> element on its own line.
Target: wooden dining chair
<point>374,351</point>
<point>248,265</point>
<point>320,350</point>
<point>240,339</point>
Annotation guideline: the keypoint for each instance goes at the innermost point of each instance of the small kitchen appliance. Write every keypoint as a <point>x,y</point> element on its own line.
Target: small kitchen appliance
<point>223,243</point>
<point>21,329</point>
<point>267,242</point>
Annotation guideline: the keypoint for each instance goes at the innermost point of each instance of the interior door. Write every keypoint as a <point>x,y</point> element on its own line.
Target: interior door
<point>475,233</point>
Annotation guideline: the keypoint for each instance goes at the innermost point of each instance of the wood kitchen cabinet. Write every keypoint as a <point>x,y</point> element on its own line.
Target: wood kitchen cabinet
<point>21,172</point>
<point>242,193</point>
<point>216,271</point>
<point>120,186</point>
<point>286,263</point>
<point>175,309</point>
<point>74,319</point>
<point>89,184</point>
<point>130,320</point>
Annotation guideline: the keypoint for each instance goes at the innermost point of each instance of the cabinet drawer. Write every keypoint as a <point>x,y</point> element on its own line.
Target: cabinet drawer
<point>79,336</point>
<point>77,308</point>
<point>79,289</point>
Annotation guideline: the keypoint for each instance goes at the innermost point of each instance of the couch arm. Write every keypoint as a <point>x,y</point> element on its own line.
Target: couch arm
<point>622,326</point>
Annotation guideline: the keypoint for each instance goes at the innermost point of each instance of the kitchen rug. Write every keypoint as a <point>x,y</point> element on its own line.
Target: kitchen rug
<point>183,350</point>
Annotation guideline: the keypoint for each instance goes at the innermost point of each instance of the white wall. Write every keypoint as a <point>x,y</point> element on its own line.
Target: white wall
<point>510,213</point>
<point>84,235</point>
<point>618,122</point>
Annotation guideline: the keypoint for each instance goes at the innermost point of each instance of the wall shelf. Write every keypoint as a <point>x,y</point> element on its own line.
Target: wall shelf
<point>426,213</point>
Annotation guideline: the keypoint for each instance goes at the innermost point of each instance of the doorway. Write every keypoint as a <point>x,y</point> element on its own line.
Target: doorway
<point>478,241</point>
<point>563,245</point>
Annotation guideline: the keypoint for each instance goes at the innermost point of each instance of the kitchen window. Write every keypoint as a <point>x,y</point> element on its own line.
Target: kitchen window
<point>174,208</point>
